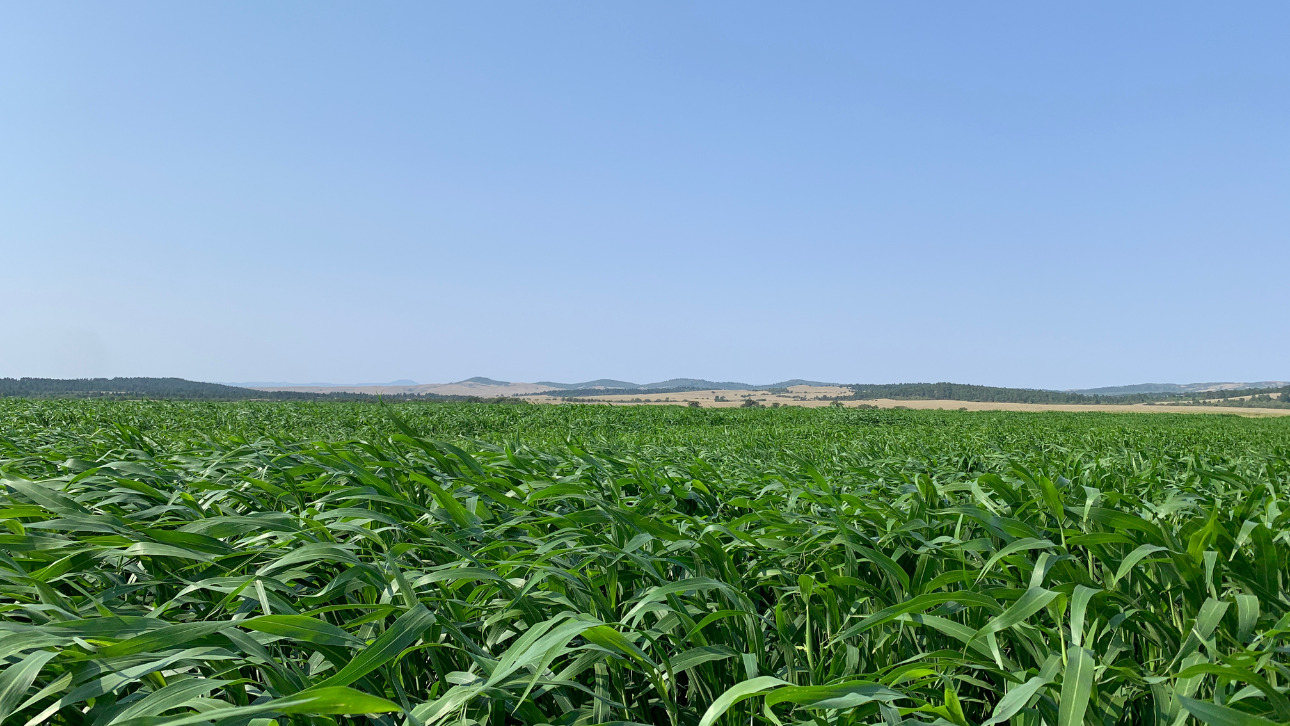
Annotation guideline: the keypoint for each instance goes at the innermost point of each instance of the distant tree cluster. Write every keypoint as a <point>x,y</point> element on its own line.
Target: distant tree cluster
<point>1265,394</point>
<point>968,392</point>
<point>169,388</point>
<point>1267,398</point>
<point>179,389</point>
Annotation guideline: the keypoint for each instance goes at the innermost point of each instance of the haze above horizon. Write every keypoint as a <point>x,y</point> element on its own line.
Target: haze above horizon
<point>1011,195</point>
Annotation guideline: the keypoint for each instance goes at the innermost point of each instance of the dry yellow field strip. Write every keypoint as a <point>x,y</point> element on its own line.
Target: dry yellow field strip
<point>805,396</point>
<point>819,396</point>
<point>463,388</point>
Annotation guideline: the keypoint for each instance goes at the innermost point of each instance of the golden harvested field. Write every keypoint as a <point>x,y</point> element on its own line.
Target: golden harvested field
<point>809,396</point>
<point>817,396</point>
<point>462,388</point>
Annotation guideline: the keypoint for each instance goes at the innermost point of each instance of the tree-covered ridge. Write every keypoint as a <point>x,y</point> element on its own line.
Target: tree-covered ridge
<point>1179,388</point>
<point>1249,398</point>
<point>945,391</point>
<point>179,389</point>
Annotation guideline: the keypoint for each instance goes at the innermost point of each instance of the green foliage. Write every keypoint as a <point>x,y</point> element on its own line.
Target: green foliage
<point>325,563</point>
<point>993,394</point>
<point>174,388</point>
<point>1272,398</point>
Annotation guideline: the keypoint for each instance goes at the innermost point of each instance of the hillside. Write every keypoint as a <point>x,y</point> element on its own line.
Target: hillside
<point>588,385</point>
<point>1179,388</point>
<point>481,380</point>
<point>179,389</point>
<point>481,385</point>
<point>487,389</point>
<point>169,388</point>
<point>671,385</point>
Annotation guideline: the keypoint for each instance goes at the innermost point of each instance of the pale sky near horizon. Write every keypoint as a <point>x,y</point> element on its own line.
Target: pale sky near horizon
<point>1029,194</point>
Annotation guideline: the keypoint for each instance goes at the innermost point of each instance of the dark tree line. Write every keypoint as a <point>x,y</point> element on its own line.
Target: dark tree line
<point>967,392</point>
<point>177,388</point>
<point>184,390</point>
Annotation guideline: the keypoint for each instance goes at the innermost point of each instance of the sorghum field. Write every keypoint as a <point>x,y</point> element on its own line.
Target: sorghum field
<point>330,563</point>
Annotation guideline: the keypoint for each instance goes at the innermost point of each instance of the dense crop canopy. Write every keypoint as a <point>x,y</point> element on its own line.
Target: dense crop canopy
<point>323,563</point>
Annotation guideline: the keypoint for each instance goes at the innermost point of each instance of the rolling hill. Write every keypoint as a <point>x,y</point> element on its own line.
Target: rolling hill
<point>1176,388</point>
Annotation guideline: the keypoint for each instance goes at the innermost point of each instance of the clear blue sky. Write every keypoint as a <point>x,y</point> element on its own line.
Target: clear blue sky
<point>1036,194</point>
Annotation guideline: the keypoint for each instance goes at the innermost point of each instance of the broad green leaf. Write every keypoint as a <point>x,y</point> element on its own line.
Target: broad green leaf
<point>302,628</point>
<point>1247,611</point>
<point>1021,545</point>
<point>739,692</point>
<point>1077,686</point>
<point>1079,604</point>
<point>330,701</point>
<point>655,594</point>
<point>1216,715</point>
<point>835,696</point>
<point>17,678</point>
<point>165,638</point>
<point>401,633</point>
<point>1133,558</point>
<point>1018,697</point>
<point>1031,602</point>
<point>175,695</point>
<point>918,604</point>
<point>695,657</point>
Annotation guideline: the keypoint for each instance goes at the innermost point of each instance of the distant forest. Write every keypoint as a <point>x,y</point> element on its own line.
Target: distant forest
<point>967,392</point>
<point>184,390</point>
<point>124,388</point>
<point>1247,398</point>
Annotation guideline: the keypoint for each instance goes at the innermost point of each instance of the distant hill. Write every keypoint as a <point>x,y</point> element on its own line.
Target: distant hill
<point>598,383</point>
<point>604,384</point>
<point>179,389</point>
<point>169,388</point>
<point>671,385</point>
<point>1177,388</point>
<point>1126,390</point>
<point>1275,393</point>
<point>314,384</point>
<point>695,383</point>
